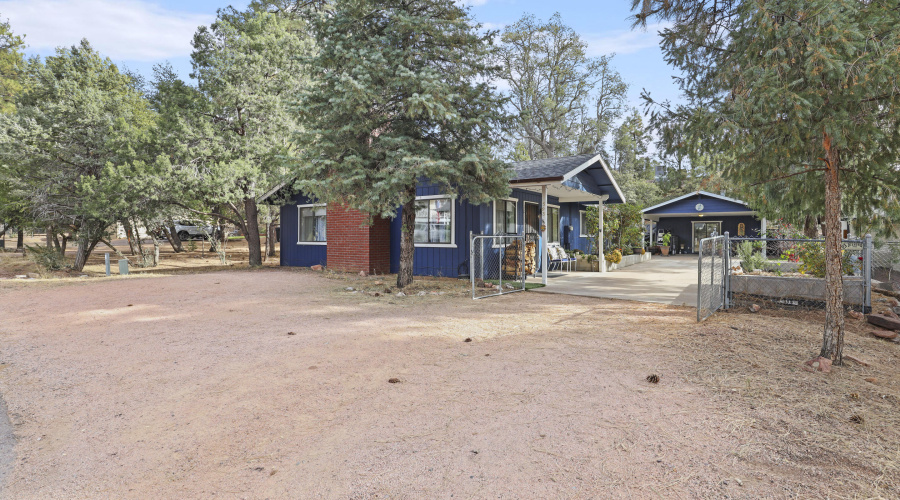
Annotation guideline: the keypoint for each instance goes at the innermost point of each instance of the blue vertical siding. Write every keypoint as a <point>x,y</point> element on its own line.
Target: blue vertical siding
<point>436,261</point>
<point>293,254</point>
<point>687,206</point>
<point>682,227</point>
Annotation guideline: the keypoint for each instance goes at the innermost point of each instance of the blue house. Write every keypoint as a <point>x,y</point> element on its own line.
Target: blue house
<point>313,233</point>
<point>699,215</point>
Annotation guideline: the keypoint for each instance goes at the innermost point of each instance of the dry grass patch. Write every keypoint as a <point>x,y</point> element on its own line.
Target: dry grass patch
<point>842,427</point>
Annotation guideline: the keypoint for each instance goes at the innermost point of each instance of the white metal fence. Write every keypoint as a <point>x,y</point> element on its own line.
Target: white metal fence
<point>499,264</point>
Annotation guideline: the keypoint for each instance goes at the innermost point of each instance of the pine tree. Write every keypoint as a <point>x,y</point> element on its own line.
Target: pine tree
<point>401,92</point>
<point>238,124</point>
<point>804,95</point>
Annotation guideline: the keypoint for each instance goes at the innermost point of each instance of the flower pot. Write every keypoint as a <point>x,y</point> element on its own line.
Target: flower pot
<point>664,249</point>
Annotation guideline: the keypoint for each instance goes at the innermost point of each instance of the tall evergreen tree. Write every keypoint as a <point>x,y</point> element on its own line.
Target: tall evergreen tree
<point>238,125</point>
<point>12,64</point>
<point>74,143</point>
<point>401,93</point>
<point>805,95</point>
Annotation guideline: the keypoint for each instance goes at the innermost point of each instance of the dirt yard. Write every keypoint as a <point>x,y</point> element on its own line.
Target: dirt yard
<point>275,384</point>
<point>195,257</point>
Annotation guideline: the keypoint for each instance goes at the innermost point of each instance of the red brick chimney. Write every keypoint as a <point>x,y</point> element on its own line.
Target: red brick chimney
<point>355,246</point>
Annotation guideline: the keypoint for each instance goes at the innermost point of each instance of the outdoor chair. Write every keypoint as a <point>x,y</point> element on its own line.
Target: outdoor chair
<point>558,257</point>
<point>564,258</point>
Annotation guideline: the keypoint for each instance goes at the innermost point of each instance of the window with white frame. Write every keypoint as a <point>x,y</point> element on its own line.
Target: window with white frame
<point>553,224</point>
<point>506,217</point>
<point>311,224</point>
<point>582,223</point>
<point>434,221</point>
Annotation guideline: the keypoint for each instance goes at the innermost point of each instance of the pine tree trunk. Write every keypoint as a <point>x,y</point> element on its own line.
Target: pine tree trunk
<point>129,235</point>
<point>82,252</point>
<point>407,244</point>
<point>20,239</point>
<point>253,241</point>
<point>833,341</point>
<point>173,238</point>
<point>270,239</point>
<point>137,239</point>
<point>810,227</point>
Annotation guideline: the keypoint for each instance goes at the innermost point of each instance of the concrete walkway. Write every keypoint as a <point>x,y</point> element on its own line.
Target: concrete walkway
<point>665,280</point>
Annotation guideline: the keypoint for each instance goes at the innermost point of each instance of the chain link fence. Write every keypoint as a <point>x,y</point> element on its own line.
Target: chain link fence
<point>712,267</point>
<point>886,265</point>
<point>499,264</point>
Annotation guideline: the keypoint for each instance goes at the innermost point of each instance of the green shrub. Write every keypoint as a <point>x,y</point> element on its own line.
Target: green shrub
<point>46,258</point>
<point>751,255</point>
<point>812,259</point>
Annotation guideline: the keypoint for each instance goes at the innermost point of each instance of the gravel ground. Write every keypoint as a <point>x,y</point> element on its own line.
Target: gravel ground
<point>274,384</point>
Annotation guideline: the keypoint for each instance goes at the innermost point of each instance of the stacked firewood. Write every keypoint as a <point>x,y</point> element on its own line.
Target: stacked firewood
<point>515,257</point>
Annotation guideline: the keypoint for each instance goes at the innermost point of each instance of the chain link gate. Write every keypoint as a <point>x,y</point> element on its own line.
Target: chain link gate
<point>499,264</point>
<point>712,275</point>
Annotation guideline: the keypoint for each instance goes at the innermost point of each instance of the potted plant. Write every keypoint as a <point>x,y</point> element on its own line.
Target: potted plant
<point>664,248</point>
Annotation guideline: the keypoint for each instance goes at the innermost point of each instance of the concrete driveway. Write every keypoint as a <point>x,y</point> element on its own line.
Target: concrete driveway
<point>664,280</point>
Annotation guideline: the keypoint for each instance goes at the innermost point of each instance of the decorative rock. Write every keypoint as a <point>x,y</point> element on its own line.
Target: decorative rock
<point>818,364</point>
<point>316,267</point>
<point>890,313</point>
<point>884,321</point>
<point>884,334</point>
<point>349,288</point>
<point>856,315</point>
<point>401,294</point>
<point>755,308</point>
<point>363,274</point>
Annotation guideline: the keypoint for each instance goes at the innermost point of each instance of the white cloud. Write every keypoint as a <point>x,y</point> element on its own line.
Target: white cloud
<point>624,41</point>
<point>473,3</point>
<point>133,30</point>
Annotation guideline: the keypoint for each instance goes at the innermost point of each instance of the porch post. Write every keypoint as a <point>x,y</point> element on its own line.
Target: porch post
<point>544,260</point>
<point>602,261</point>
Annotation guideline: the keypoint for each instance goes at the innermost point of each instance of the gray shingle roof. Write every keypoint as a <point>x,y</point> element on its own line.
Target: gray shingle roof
<point>549,168</point>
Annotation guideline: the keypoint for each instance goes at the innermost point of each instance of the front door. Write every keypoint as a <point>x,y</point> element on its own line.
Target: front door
<point>705,230</point>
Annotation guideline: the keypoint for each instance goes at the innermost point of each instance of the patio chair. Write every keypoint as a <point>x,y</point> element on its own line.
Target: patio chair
<point>558,257</point>
<point>570,261</point>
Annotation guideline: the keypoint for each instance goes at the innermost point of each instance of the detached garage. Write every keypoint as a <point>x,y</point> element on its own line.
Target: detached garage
<point>699,215</point>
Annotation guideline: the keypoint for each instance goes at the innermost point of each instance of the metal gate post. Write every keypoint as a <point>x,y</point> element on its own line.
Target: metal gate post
<point>699,280</point>
<point>867,274</point>
<point>472,262</point>
<point>502,261</point>
<point>726,302</point>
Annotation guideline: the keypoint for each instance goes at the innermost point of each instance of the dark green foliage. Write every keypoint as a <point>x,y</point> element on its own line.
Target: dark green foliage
<point>400,93</point>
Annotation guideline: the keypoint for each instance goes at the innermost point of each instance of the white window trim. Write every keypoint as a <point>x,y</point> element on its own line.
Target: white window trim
<point>693,231</point>
<point>494,219</point>
<point>310,205</point>
<point>549,206</point>
<point>582,225</point>
<point>452,243</point>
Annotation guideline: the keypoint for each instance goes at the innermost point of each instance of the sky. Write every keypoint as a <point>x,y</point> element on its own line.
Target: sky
<point>138,34</point>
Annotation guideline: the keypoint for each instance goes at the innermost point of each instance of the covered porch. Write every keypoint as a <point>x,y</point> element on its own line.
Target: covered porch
<point>574,182</point>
